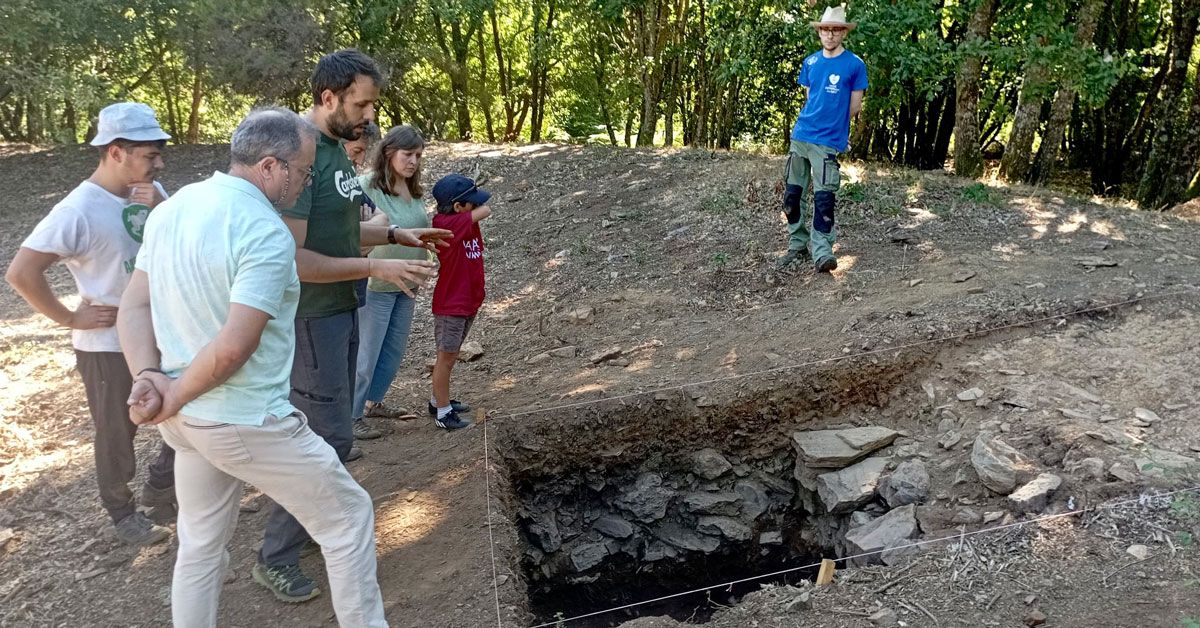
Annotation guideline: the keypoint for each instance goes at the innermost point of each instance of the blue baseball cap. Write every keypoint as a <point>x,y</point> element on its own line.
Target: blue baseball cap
<point>455,188</point>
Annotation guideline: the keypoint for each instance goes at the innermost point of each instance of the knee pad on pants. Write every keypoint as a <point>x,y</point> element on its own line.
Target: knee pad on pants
<point>823,205</point>
<point>792,196</point>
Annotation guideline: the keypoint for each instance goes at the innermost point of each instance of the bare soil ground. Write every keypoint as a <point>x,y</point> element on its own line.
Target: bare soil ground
<point>668,256</point>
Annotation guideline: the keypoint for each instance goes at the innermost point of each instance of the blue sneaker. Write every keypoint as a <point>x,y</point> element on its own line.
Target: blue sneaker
<point>451,421</point>
<point>455,405</point>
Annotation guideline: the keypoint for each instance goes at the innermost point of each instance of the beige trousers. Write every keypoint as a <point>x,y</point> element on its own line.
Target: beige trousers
<point>288,462</point>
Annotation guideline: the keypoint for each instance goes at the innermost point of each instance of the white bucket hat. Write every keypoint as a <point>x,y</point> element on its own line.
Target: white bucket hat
<point>835,17</point>
<point>128,121</point>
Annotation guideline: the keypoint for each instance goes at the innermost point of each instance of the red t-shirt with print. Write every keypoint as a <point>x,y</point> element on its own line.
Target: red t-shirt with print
<point>459,289</point>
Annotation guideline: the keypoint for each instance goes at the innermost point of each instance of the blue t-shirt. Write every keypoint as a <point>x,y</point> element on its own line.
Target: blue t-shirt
<point>825,119</point>
<point>214,243</point>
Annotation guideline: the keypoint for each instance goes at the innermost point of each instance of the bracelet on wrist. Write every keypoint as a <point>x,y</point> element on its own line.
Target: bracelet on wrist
<point>391,234</point>
<point>150,369</point>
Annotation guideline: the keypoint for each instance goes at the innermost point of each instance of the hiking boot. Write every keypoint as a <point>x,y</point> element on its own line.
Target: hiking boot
<point>791,257</point>
<point>365,431</point>
<point>288,583</point>
<point>451,421</point>
<point>380,410</point>
<point>136,529</point>
<point>161,502</point>
<point>455,405</point>
<point>355,454</point>
<point>826,264</point>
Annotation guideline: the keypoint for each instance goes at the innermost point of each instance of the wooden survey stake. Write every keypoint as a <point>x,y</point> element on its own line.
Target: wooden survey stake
<point>825,575</point>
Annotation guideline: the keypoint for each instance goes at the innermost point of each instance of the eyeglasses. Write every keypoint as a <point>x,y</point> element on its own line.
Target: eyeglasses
<point>308,172</point>
<point>832,31</point>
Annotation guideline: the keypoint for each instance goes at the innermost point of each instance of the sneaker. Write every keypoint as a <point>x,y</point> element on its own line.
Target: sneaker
<point>451,421</point>
<point>455,405</point>
<point>381,410</point>
<point>288,583</point>
<point>791,257</point>
<point>826,264</point>
<point>136,529</point>
<point>161,502</point>
<point>355,454</point>
<point>365,431</point>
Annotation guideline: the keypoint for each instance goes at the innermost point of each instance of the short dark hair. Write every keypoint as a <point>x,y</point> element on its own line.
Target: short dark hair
<point>336,71</point>
<point>128,145</point>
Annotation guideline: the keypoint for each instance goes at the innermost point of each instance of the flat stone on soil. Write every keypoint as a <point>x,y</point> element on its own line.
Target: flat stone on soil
<point>704,503</point>
<point>1033,496</point>
<point>885,532</point>
<point>970,394</point>
<point>614,526</point>
<point>998,465</point>
<point>606,354</point>
<point>849,488</point>
<point>1148,416</point>
<point>568,351</point>
<point>675,535</point>
<point>728,527</point>
<point>710,464</point>
<point>838,448</point>
<point>588,555</point>
<point>908,484</point>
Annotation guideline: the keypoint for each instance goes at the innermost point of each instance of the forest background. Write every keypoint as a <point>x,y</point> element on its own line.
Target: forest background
<point>1103,92</point>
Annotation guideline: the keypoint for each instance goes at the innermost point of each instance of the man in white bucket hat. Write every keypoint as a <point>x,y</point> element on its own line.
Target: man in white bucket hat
<point>96,231</point>
<point>834,79</point>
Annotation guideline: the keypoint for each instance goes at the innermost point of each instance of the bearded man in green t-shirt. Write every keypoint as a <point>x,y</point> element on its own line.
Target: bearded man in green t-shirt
<point>325,223</point>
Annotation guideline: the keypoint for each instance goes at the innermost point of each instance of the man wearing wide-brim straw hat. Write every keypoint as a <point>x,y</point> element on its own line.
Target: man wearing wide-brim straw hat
<point>834,79</point>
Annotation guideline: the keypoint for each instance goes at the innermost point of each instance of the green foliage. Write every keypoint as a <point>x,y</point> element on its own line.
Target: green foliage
<point>1185,507</point>
<point>722,203</point>
<point>979,194</point>
<point>1189,622</point>
<point>855,191</point>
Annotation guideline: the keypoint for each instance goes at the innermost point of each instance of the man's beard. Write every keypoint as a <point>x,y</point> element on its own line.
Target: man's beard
<point>341,126</point>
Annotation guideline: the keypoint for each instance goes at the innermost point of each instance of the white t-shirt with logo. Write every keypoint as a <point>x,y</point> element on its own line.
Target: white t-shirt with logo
<point>98,240</point>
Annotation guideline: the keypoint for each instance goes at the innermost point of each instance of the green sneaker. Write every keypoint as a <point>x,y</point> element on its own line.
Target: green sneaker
<point>288,583</point>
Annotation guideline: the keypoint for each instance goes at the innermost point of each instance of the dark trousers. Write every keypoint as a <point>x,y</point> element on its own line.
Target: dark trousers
<point>323,389</point>
<point>107,382</point>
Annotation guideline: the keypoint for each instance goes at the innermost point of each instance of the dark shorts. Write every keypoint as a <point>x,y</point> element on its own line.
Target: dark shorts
<point>450,331</point>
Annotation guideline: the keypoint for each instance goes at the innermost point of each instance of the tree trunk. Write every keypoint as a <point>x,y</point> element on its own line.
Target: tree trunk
<point>1064,100</point>
<point>69,120</point>
<point>968,162</point>
<point>485,93</point>
<point>1159,184</point>
<point>1016,163</point>
<point>193,132</point>
<point>505,80</point>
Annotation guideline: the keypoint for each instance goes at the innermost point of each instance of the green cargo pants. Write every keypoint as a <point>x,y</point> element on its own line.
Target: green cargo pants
<point>815,166</point>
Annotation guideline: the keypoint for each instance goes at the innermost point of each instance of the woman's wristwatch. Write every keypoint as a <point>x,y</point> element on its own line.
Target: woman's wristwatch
<point>392,234</point>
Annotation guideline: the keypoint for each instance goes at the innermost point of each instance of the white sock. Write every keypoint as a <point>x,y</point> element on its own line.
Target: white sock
<point>442,412</point>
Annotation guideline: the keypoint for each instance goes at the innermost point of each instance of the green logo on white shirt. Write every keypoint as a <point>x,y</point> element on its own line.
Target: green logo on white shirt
<point>134,217</point>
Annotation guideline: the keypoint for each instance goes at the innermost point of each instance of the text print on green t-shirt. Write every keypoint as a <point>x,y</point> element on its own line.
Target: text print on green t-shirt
<point>331,207</point>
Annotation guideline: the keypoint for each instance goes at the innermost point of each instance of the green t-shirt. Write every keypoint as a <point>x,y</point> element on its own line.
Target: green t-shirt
<point>331,207</point>
<point>404,213</point>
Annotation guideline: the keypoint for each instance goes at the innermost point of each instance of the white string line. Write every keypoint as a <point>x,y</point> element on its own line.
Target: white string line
<point>1016,524</point>
<point>778,369</point>
<point>491,537</point>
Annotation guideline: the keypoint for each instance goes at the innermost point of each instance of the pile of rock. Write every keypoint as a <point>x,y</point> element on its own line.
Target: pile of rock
<point>1006,471</point>
<point>857,506</point>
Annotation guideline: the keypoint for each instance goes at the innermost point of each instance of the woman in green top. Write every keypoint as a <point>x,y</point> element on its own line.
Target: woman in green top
<point>394,184</point>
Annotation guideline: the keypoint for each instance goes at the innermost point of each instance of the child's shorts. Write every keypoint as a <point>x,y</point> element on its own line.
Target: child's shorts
<point>450,331</point>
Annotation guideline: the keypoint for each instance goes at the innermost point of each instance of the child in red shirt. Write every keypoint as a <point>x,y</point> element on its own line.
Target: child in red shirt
<point>459,291</point>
